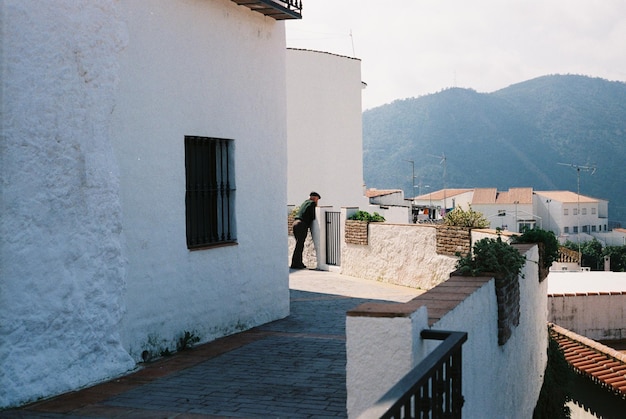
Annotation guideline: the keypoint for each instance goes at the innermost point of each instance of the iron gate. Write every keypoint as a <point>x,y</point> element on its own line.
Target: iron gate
<point>333,238</point>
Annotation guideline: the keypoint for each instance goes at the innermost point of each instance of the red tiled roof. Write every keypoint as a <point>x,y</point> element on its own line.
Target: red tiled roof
<point>513,195</point>
<point>566,196</point>
<point>603,365</point>
<point>484,196</point>
<point>492,196</point>
<point>373,192</point>
<point>440,194</point>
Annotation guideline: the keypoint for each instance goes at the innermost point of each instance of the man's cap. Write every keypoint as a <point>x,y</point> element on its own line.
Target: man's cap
<point>315,194</point>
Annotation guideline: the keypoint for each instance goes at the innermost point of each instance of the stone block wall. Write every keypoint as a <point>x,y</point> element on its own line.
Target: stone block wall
<point>290,219</point>
<point>508,298</point>
<point>356,232</point>
<point>452,240</point>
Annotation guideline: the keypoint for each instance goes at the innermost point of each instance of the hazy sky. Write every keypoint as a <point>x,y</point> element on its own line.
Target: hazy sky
<point>411,48</point>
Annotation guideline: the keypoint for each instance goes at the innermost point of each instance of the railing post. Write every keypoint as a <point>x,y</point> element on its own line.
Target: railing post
<point>433,386</point>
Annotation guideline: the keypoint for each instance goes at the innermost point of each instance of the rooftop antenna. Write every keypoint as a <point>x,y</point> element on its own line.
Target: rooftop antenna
<point>586,168</point>
<point>443,161</point>
<point>352,40</point>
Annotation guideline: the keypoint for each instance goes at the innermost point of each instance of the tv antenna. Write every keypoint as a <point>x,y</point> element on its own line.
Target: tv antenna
<point>586,168</point>
<point>443,161</point>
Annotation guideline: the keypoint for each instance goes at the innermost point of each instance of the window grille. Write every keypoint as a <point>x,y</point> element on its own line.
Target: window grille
<point>210,191</point>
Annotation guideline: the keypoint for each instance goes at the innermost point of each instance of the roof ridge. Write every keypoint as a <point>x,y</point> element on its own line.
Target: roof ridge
<point>601,364</point>
<point>590,343</point>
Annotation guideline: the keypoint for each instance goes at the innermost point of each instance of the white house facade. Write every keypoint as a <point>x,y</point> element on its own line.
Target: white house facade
<point>569,214</point>
<point>429,206</point>
<point>510,210</point>
<point>112,247</point>
<point>324,122</point>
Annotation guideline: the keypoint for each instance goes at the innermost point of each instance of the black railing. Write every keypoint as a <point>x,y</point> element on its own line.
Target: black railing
<point>333,238</point>
<point>276,9</point>
<point>432,389</point>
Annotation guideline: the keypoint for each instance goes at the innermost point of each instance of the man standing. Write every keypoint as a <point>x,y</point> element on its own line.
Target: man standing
<point>301,224</point>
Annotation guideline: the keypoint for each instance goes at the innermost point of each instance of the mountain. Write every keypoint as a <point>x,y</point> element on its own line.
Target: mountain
<point>530,134</point>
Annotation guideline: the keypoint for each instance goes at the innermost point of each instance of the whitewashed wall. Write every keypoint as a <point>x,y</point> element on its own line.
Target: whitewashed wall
<point>386,352</point>
<point>324,128</point>
<point>401,254</point>
<point>63,272</point>
<point>211,69</point>
<point>513,371</point>
<point>592,304</point>
<point>97,98</point>
<point>498,381</point>
<point>598,316</point>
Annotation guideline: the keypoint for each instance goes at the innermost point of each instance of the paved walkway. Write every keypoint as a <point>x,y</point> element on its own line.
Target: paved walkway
<point>290,368</point>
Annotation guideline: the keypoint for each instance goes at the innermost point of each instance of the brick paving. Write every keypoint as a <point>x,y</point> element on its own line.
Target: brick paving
<point>290,368</point>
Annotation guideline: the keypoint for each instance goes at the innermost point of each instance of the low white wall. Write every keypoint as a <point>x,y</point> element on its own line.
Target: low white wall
<point>503,381</point>
<point>590,303</point>
<point>401,254</point>
<point>389,340</point>
<point>498,381</point>
<point>597,316</point>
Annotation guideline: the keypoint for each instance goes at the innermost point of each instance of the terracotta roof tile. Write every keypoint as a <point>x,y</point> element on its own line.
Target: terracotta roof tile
<point>439,300</point>
<point>519,195</point>
<point>373,192</point>
<point>439,195</point>
<point>484,196</point>
<point>600,363</point>
<point>566,196</point>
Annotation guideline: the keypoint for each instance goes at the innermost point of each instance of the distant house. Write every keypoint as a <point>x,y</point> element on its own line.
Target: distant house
<point>509,210</point>
<point>571,215</point>
<point>387,197</point>
<point>566,213</point>
<point>431,205</point>
<point>144,159</point>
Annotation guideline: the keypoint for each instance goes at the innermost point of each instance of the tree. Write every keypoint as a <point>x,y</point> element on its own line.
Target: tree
<point>591,253</point>
<point>470,218</point>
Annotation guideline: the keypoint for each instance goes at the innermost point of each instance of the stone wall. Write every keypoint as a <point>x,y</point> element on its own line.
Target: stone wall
<point>513,371</point>
<point>400,254</point>
<point>507,296</point>
<point>356,232</point>
<point>452,240</point>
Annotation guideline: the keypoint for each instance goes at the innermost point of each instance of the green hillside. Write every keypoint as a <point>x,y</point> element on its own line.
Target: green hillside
<point>514,137</point>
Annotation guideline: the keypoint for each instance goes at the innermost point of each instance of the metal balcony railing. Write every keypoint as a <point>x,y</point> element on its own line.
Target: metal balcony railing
<point>432,389</point>
<point>276,9</point>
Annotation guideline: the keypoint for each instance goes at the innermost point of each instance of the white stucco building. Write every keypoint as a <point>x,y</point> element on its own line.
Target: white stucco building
<point>111,113</point>
<point>324,123</point>
<point>569,215</point>
<point>430,206</point>
<point>510,210</point>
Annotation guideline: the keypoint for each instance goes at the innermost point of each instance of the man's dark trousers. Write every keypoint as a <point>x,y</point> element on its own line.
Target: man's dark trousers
<point>300,231</point>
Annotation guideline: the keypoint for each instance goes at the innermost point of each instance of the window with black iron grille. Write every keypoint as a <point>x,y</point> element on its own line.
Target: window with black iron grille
<point>210,192</point>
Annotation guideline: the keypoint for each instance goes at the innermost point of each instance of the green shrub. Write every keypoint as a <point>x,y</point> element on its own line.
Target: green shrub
<point>550,251</point>
<point>461,218</point>
<point>556,388</point>
<point>493,256</point>
<point>186,341</point>
<point>366,216</point>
